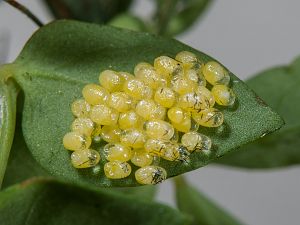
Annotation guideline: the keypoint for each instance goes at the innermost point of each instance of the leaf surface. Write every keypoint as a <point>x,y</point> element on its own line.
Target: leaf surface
<point>63,56</point>
<point>280,88</point>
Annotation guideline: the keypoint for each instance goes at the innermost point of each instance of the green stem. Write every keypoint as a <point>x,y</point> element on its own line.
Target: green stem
<point>8,105</point>
<point>26,11</point>
<point>164,13</point>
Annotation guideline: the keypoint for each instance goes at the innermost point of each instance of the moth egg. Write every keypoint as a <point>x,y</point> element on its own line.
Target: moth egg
<point>196,76</point>
<point>104,115</point>
<point>120,101</point>
<point>110,134</point>
<point>150,175</point>
<point>75,141</point>
<point>80,108</point>
<point>196,142</point>
<point>147,73</point>
<point>156,147</point>
<point>126,76</point>
<point>176,114</point>
<point>193,102</point>
<point>117,152</point>
<point>95,94</point>
<point>133,138</point>
<point>223,95</point>
<point>201,90</point>
<point>167,66</point>
<point>134,88</point>
<point>148,109</point>
<point>171,153</point>
<point>85,158</point>
<point>165,97</point>
<point>215,74</point>
<point>159,129</point>
<point>209,117</point>
<point>141,158</point>
<point>83,126</point>
<point>117,170</point>
<point>111,80</point>
<point>185,125</point>
<point>182,85</point>
<point>129,119</point>
<point>186,57</point>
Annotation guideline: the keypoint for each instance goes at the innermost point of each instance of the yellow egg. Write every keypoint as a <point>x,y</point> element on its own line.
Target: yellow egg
<point>111,80</point>
<point>120,101</point>
<point>104,115</point>
<point>159,129</point>
<point>141,158</point>
<point>110,134</point>
<point>83,126</point>
<point>209,98</point>
<point>186,57</point>
<point>148,109</point>
<point>176,114</point>
<point>129,120</point>
<point>182,85</point>
<point>165,97</point>
<point>223,95</point>
<point>196,76</point>
<point>85,158</point>
<point>167,66</point>
<point>185,125</point>
<point>117,152</point>
<point>215,74</point>
<point>95,94</point>
<point>126,76</point>
<point>156,147</point>
<point>209,117</point>
<point>150,175</point>
<point>75,141</point>
<point>147,73</point>
<point>134,88</point>
<point>196,142</point>
<point>133,138</point>
<point>80,108</point>
<point>193,102</point>
<point>117,170</point>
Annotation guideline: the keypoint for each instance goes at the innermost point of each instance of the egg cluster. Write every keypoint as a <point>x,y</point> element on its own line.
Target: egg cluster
<point>152,114</point>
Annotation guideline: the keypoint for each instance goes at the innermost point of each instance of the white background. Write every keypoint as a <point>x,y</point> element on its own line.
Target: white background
<point>247,36</point>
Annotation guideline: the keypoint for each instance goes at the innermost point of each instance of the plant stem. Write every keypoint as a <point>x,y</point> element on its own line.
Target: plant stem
<point>8,104</point>
<point>26,11</point>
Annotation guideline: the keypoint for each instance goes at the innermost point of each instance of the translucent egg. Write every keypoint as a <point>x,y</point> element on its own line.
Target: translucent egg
<point>147,73</point>
<point>182,85</point>
<point>223,95</point>
<point>134,88</point>
<point>167,66</point>
<point>133,138</point>
<point>110,134</point>
<point>120,101</point>
<point>126,76</point>
<point>196,142</point>
<point>165,97</point>
<point>196,76</point>
<point>83,126</point>
<point>104,115</point>
<point>80,108</point>
<point>148,109</point>
<point>150,175</point>
<point>117,152</point>
<point>176,114</point>
<point>111,80</point>
<point>156,147</point>
<point>215,74</point>
<point>75,141</point>
<point>117,170</point>
<point>193,102</point>
<point>201,90</point>
<point>129,120</point>
<point>186,57</point>
<point>141,158</point>
<point>95,94</point>
<point>209,117</point>
<point>159,129</point>
<point>171,153</point>
<point>184,155</point>
<point>85,158</point>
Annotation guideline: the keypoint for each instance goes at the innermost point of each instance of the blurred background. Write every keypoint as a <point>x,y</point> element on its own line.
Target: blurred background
<point>246,36</point>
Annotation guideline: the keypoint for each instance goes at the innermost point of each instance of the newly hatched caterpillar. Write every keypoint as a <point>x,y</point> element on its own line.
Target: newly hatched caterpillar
<point>156,113</point>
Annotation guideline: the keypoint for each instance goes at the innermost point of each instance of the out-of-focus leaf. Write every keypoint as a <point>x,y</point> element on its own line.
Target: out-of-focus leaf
<point>280,88</point>
<point>202,210</point>
<point>64,56</point>
<point>128,21</point>
<point>48,202</point>
<point>97,11</point>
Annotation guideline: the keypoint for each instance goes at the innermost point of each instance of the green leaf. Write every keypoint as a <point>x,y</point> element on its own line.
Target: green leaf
<point>47,202</point>
<point>279,87</point>
<point>202,210</point>
<point>128,21</point>
<point>64,56</point>
<point>188,13</point>
<point>97,11</point>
